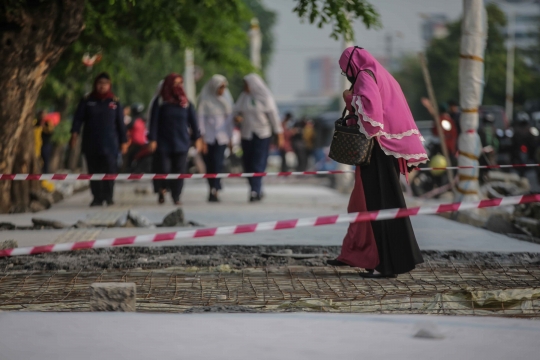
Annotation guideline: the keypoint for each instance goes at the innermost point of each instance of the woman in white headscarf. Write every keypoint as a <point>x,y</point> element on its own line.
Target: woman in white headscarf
<point>216,125</point>
<point>257,113</point>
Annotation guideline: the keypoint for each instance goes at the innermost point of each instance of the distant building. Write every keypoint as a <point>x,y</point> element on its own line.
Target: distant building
<point>434,26</point>
<point>526,16</point>
<point>322,76</point>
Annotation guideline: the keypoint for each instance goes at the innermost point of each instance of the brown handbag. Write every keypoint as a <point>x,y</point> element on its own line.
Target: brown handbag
<point>349,146</point>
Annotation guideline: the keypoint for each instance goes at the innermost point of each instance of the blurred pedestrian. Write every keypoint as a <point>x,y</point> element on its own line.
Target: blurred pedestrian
<point>173,127</point>
<point>38,129</point>
<point>299,145</point>
<point>384,248</point>
<point>489,138</point>
<point>455,114</point>
<point>46,144</point>
<point>216,125</point>
<point>287,135</point>
<point>258,116</point>
<point>450,133</point>
<point>127,116</point>
<point>309,139</point>
<point>524,142</point>
<point>137,135</point>
<point>104,135</point>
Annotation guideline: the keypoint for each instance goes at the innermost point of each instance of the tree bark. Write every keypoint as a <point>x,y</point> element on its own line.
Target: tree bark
<point>33,36</point>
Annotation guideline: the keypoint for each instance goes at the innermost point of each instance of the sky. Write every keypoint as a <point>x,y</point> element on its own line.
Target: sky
<point>295,42</point>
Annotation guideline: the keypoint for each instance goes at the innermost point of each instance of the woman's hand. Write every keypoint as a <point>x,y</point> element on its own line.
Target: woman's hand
<point>204,147</point>
<point>281,141</point>
<point>73,140</point>
<point>152,146</point>
<point>200,146</point>
<point>124,148</point>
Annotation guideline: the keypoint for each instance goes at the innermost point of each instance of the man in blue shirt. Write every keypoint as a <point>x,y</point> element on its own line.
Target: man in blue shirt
<point>104,135</point>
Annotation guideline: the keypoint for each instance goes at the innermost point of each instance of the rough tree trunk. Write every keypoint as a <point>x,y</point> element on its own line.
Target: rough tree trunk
<point>33,36</point>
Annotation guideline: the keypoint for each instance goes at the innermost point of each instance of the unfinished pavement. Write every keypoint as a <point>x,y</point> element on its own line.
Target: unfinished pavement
<point>468,270</point>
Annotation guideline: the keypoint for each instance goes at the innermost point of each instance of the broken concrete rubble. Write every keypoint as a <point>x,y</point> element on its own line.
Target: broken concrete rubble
<point>175,218</point>
<point>113,297</point>
<point>137,220</point>
<point>8,244</point>
<point>48,223</point>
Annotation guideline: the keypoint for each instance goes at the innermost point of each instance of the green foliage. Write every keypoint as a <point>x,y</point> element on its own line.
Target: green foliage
<point>338,13</point>
<point>443,64</point>
<point>143,40</point>
<point>62,133</point>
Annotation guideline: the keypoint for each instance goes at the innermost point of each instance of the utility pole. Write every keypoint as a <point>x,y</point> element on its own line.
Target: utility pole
<point>255,44</point>
<point>510,60</point>
<point>471,84</point>
<point>189,76</point>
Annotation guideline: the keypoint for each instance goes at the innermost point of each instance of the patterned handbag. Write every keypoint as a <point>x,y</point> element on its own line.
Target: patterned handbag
<point>349,146</point>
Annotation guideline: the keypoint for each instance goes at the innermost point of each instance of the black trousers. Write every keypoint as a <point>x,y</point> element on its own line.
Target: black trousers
<point>46,154</point>
<point>299,148</point>
<point>171,163</point>
<point>255,159</point>
<point>102,164</point>
<point>398,250</point>
<point>214,163</point>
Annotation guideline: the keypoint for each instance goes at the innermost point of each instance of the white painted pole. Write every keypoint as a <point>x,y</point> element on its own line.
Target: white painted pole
<point>255,44</point>
<point>471,84</point>
<point>510,60</point>
<point>189,76</point>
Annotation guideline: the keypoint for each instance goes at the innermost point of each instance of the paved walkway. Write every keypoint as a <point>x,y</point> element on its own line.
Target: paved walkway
<point>85,336</point>
<point>283,201</point>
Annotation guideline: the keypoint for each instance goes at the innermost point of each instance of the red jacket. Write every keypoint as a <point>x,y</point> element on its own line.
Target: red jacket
<point>450,136</point>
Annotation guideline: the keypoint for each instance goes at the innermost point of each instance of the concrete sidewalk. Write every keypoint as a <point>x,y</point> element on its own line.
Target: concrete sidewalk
<point>85,336</point>
<point>283,201</point>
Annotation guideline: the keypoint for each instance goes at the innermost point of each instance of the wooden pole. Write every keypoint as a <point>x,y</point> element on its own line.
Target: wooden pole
<point>436,116</point>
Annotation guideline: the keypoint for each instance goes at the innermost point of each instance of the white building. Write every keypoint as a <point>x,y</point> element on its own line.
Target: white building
<point>524,20</point>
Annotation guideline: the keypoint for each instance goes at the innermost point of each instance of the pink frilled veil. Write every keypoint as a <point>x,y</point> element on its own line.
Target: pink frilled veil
<point>382,108</point>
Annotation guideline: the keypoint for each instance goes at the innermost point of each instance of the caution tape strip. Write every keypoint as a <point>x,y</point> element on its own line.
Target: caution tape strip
<point>272,226</point>
<point>134,177</point>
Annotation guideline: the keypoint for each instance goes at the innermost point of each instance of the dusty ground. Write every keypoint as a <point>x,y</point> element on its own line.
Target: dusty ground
<point>235,256</point>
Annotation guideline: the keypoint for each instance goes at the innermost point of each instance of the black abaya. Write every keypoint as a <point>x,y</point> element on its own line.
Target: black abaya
<point>396,243</point>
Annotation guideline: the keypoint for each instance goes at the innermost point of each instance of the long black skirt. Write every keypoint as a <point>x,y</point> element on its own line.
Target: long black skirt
<point>396,243</point>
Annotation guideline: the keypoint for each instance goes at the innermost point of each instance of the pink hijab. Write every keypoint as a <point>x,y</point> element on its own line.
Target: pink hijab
<point>383,109</point>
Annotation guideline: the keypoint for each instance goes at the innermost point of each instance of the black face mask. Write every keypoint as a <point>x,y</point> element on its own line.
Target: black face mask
<point>351,79</point>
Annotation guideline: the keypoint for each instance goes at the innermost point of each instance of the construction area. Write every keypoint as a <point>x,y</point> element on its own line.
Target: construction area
<point>468,271</point>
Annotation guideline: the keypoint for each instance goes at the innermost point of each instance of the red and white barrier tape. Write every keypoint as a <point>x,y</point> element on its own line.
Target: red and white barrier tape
<point>159,176</point>
<point>98,177</point>
<point>272,225</point>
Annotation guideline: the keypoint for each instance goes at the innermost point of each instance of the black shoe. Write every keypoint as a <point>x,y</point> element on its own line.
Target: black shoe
<point>255,197</point>
<point>212,197</point>
<point>336,262</point>
<point>96,203</point>
<point>110,202</point>
<point>372,275</point>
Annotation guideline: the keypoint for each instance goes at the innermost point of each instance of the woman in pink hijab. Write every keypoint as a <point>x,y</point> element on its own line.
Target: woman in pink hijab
<point>384,248</point>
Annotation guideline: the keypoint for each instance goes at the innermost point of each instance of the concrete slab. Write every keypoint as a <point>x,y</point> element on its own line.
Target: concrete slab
<point>282,202</point>
<point>86,336</point>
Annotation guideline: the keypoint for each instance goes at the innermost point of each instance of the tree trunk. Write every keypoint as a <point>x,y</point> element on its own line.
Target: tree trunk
<point>33,36</point>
